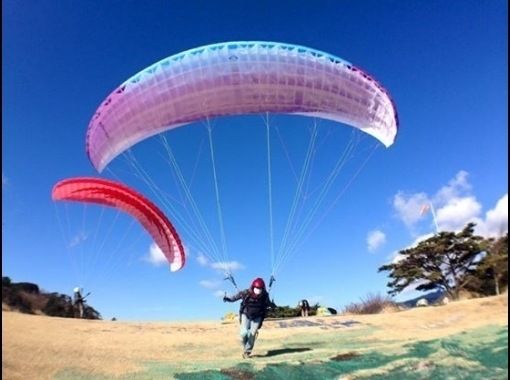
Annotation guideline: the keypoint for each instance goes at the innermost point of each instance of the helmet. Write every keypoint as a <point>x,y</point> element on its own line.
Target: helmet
<point>76,290</point>
<point>258,283</point>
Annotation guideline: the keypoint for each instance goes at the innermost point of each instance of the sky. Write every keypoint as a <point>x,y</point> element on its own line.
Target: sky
<point>445,66</point>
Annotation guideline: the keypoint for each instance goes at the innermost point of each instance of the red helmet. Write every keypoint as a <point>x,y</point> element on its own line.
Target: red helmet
<point>258,283</point>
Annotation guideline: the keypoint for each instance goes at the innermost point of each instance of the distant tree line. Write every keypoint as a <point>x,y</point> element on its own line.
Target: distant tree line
<point>290,312</point>
<point>28,298</point>
<point>452,262</point>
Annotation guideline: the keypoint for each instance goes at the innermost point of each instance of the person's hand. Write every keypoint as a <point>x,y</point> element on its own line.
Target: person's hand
<point>225,299</point>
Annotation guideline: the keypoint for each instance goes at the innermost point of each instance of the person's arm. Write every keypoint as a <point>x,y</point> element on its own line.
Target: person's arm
<point>235,297</point>
<point>270,304</point>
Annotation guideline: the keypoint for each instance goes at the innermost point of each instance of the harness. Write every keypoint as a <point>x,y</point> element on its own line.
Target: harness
<point>244,303</point>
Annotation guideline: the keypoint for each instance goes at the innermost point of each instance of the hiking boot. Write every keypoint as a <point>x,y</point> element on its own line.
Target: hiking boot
<point>246,355</point>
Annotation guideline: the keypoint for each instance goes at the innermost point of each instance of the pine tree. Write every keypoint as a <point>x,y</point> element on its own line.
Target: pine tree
<point>444,261</point>
<point>491,276</point>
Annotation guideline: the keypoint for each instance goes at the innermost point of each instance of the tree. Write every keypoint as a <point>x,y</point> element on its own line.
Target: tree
<point>492,272</point>
<point>58,305</point>
<point>444,261</point>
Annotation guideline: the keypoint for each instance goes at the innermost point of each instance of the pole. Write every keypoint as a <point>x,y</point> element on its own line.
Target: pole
<point>434,216</point>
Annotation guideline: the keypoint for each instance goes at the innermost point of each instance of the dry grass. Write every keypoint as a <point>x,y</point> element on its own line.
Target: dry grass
<point>38,347</point>
<point>371,304</point>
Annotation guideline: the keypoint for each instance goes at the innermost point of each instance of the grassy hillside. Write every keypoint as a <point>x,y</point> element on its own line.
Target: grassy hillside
<point>465,339</point>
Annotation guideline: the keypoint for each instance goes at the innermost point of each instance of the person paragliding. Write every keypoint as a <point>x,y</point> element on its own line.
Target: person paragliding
<point>305,307</point>
<point>254,305</point>
<point>231,79</point>
<point>79,302</point>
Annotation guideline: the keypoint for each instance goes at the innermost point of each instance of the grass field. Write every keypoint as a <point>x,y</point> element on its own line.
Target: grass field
<point>462,340</point>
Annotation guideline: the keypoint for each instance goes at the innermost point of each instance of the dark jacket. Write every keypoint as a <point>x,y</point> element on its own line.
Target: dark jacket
<point>252,306</point>
<point>78,298</point>
<point>304,305</point>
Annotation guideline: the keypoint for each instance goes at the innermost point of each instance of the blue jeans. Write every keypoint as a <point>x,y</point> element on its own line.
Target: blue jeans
<point>249,328</point>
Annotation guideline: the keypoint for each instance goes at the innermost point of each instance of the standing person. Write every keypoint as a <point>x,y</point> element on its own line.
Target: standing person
<point>79,301</point>
<point>305,308</point>
<point>254,305</point>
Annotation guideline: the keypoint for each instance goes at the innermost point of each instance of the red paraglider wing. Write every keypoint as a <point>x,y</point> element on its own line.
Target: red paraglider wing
<point>116,195</point>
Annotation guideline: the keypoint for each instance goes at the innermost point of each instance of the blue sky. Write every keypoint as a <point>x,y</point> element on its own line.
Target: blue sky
<point>444,63</point>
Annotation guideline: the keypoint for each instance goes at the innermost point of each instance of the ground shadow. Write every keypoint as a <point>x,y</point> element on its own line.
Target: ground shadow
<point>284,351</point>
<point>317,323</point>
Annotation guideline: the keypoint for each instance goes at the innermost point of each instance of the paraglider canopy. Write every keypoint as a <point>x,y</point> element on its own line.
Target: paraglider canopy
<point>236,78</point>
<point>242,78</point>
<point>113,194</point>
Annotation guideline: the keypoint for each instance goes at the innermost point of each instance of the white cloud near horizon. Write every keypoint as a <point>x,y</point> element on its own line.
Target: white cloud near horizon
<point>496,219</point>
<point>224,266</point>
<point>375,239</point>
<point>456,187</point>
<point>454,206</point>
<point>455,214</point>
<point>202,260</point>
<point>395,257</point>
<point>210,284</point>
<point>412,286</point>
<point>187,251</point>
<point>221,267</point>
<point>408,207</point>
<point>156,257</point>
<point>227,266</point>
<point>79,238</point>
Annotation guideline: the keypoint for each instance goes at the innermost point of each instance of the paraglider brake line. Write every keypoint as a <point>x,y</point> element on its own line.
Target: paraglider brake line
<point>228,276</point>
<point>271,280</point>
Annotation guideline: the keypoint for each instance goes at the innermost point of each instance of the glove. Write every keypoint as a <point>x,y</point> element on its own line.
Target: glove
<point>226,299</point>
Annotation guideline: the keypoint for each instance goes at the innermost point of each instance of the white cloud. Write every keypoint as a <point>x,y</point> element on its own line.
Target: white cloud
<point>227,266</point>
<point>496,220</point>
<point>457,212</point>
<point>396,257</point>
<point>456,187</point>
<point>219,293</point>
<point>412,288</point>
<point>187,251</point>
<point>408,207</point>
<point>5,180</point>
<point>202,260</point>
<point>375,239</point>
<point>454,207</point>
<point>78,239</point>
<point>208,284</point>
<point>156,256</point>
